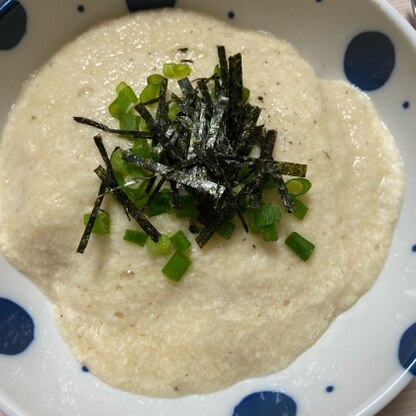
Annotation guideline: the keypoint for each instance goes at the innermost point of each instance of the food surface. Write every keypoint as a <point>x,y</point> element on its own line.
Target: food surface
<point>245,308</point>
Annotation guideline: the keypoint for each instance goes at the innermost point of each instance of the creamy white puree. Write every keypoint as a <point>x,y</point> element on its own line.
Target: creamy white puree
<point>245,308</point>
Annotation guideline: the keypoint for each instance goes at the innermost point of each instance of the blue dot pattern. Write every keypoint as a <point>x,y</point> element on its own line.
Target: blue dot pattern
<point>369,60</point>
<point>16,328</point>
<point>266,403</point>
<point>407,349</point>
<point>406,105</point>
<point>134,5</point>
<point>330,389</point>
<point>13,22</point>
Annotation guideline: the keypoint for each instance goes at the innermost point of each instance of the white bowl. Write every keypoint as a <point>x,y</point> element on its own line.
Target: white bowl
<point>369,353</point>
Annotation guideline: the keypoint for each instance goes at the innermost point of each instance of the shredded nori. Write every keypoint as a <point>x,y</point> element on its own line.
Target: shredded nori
<point>131,133</point>
<point>200,160</point>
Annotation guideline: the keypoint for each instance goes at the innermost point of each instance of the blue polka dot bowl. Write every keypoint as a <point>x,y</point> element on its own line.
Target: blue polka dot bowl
<point>367,356</point>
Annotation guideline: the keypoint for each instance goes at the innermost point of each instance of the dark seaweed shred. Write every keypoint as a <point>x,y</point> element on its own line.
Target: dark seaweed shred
<point>199,163</point>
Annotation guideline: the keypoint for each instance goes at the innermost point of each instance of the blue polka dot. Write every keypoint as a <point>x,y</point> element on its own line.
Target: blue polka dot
<point>369,60</point>
<point>16,328</point>
<point>407,349</point>
<point>414,248</point>
<point>13,21</point>
<point>266,403</point>
<point>81,8</point>
<point>231,14</point>
<point>85,369</point>
<point>406,105</point>
<point>330,389</point>
<point>134,5</point>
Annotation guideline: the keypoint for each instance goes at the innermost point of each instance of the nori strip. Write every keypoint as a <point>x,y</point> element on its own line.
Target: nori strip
<point>285,196</point>
<point>267,144</point>
<point>93,216</point>
<point>154,192</point>
<point>176,199</point>
<point>223,87</point>
<point>216,121</point>
<point>250,132</point>
<point>130,206</point>
<point>206,96</point>
<point>283,168</point>
<point>187,89</point>
<point>158,135</point>
<point>235,80</point>
<point>132,133</point>
<point>162,109</point>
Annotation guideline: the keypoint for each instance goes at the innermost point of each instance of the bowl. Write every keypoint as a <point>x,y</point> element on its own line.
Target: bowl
<point>369,353</point>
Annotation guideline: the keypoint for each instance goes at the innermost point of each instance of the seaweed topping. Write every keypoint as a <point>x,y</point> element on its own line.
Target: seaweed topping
<point>190,154</point>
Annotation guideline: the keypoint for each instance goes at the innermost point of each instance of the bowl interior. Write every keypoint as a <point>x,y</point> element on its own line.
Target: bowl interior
<point>322,31</point>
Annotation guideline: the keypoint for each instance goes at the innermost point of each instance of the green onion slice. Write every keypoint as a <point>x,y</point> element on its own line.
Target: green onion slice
<point>300,245</point>
<point>300,209</point>
<point>159,248</point>
<point>265,215</point>
<point>125,100</point>
<point>269,233</point>
<point>155,79</point>
<point>298,186</point>
<point>179,241</point>
<point>136,237</point>
<point>176,71</point>
<point>176,266</point>
<point>149,93</point>
<point>225,230</point>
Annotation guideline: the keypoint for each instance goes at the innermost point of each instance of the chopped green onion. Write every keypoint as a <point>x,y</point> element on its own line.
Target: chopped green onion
<point>179,241</point>
<point>141,148</point>
<point>124,101</point>
<point>121,87</point>
<point>129,122</point>
<point>119,166</point>
<point>149,93</point>
<point>176,266</point>
<point>300,208</point>
<point>176,71</point>
<point>159,248</point>
<point>246,94</point>
<point>225,230</point>
<point>302,247</point>
<point>265,220</point>
<point>155,79</point>
<point>269,232</point>
<point>101,224</point>
<point>265,215</point>
<point>298,186</point>
<point>173,111</point>
<point>136,237</point>
<point>217,71</point>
